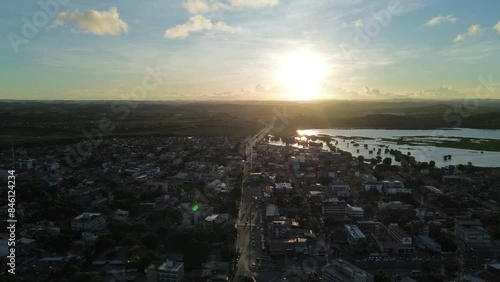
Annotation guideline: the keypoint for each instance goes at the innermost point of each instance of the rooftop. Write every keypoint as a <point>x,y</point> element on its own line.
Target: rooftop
<point>354,231</point>
<point>170,265</point>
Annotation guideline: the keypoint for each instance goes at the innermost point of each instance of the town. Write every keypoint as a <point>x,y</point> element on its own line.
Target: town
<point>234,209</point>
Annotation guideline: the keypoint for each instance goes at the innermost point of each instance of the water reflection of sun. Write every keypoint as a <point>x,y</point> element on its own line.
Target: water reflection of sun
<point>306,132</point>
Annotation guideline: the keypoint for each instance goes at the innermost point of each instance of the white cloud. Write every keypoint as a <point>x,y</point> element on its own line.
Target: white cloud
<point>95,22</point>
<point>254,4</point>
<point>203,6</point>
<point>195,24</point>
<point>443,91</point>
<point>208,6</point>
<point>441,19</point>
<point>358,23</point>
<point>474,30</point>
<point>372,91</point>
<point>459,38</point>
<point>497,27</point>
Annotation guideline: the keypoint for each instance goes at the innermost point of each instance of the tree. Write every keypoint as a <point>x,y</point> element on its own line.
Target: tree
<point>387,161</point>
<point>162,232</point>
<point>103,244</point>
<point>369,209</point>
<point>227,253</point>
<point>151,241</point>
<point>128,242</point>
<point>361,158</point>
<point>195,253</point>
<point>432,164</point>
<point>381,276</point>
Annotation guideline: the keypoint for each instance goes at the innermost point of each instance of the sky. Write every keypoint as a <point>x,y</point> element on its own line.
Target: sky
<point>249,49</point>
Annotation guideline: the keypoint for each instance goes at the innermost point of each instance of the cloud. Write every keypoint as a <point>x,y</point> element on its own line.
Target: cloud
<point>254,4</point>
<point>203,6</point>
<point>358,23</point>
<point>443,91</point>
<point>95,22</point>
<point>473,30</point>
<point>372,91</point>
<point>459,38</point>
<point>497,27</point>
<point>441,19</point>
<point>195,24</point>
<point>259,88</point>
<point>208,6</point>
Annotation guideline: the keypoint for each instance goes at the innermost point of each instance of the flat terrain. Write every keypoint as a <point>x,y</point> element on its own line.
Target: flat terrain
<point>39,122</point>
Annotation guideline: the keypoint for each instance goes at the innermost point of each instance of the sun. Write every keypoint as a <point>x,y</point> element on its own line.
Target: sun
<point>302,73</point>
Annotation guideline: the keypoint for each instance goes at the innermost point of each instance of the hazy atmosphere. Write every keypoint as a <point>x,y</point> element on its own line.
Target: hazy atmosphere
<point>249,49</point>
<point>250,140</point>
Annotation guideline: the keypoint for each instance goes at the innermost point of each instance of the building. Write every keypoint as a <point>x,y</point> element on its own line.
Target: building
<point>430,244</point>
<point>398,234</point>
<point>395,187</point>
<point>471,234</point>
<point>279,228</point>
<point>355,212</point>
<point>490,273</point>
<point>341,271</point>
<point>341,191</point>
<point>371,227</point>
<point>285,187</point>
<point>170,271</point>
<point>272,211</point>
<point>434,229</point>
<point>334,208</point>
<point>25,164</point>
<point>354,235</point>
<point>121,215</point>
<point>210,220</point>
<point>88,222</point>
<point>373,185</point>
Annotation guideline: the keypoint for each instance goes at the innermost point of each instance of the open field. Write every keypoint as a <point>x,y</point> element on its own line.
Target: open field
<point>39,122</point>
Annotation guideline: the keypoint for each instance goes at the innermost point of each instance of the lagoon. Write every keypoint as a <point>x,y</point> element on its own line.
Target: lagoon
<point>419,143</point>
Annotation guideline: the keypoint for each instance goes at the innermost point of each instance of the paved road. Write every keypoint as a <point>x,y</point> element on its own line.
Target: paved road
<point>249,241</point>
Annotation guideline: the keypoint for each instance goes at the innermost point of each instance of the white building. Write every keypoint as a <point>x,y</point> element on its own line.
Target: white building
<point>342,271</point>
<point>395,187</point>
<point>355,212</point>
<point>373,185</point>
<point>170,271</point>
<point>121,215</point>
<point>398,234</point>
<point>354,235</point>
<point>88,222</point>
<point>471,233</point>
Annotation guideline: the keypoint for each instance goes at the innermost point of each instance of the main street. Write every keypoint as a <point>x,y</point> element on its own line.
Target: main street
<point>249,240</point>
